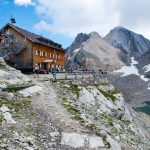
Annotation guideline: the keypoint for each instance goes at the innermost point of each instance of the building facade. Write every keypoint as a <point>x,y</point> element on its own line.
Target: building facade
<point>24,49</point>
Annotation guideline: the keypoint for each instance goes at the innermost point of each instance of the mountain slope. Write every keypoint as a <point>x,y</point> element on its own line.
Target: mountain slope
<point>128,41</point>
<point>92,52</point>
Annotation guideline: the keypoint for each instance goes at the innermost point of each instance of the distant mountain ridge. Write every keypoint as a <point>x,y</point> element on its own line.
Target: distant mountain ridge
<point>128,41</point>
<point>92,52</point>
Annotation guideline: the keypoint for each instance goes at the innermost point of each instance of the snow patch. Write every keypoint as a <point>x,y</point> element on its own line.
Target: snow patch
<point>128,70</point>
<point>76,50</point>
<point>69,58</point>
<point>147,67</point>
<point>31,90</point>
<point>143,78</point>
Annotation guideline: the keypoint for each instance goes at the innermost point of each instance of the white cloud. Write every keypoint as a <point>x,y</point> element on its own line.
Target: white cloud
<point>135,14</point>
<point>69,17</point>
<point>23,2</point>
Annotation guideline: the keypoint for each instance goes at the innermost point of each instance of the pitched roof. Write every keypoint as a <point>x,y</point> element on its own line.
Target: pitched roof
<point>36,38</point>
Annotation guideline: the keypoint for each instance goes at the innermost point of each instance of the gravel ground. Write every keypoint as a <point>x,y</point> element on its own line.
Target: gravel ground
<point>48,101</point>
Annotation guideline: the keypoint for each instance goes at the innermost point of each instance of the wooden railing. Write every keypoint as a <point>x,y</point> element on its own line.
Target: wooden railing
<point>14,48</point>
<point>78,75</point>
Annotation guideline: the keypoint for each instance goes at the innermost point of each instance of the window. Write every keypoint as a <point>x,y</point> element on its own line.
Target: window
<point>56,56</point>
<point>44,54</point>
<point>3,41</point>
<point>38,53</point>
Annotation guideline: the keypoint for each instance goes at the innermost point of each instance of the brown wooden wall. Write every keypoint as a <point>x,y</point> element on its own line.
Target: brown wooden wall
<point>59,60</point>
<point>24,59</point>
<point>28,58</point>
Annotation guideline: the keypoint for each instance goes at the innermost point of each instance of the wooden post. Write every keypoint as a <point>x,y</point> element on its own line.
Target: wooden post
<point>54,76</point>
<point>65,75</point>
<point>82,75</point>
<point>75,75</point>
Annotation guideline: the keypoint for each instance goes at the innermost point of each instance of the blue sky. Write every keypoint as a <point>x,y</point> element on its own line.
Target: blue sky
<point>26,17</point>
<point>62,20</point>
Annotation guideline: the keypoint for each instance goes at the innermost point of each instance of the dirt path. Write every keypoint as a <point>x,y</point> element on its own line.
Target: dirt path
<point>48,101</point>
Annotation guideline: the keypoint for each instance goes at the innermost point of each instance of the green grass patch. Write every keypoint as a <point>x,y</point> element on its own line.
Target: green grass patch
<point>16,85</point>
<point>74,88</point>
<point>1,118</point>
<point>125,122</point>
<point>92,127</point>
<point>115,91</point>
<point>72,110</point>
<point>17,115</point>
<point>77,115</point>
<point>2,66</point>
<point>105,84</point>
<point>16,105</point>
<point>12,128</point>
<point>29,129</point>
<point>109,95</point>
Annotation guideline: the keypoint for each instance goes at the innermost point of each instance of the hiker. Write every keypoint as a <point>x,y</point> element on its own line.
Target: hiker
<point>36,70</point>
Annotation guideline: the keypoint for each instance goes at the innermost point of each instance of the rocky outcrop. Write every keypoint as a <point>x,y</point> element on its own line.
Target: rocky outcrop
<point>92,52</point>
<point>103,110</point>
<point>128,41</point>
<point>64,115</point>
<point>9,75</point>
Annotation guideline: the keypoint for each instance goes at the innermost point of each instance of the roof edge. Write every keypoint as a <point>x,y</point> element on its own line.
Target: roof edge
<point>8,24</point>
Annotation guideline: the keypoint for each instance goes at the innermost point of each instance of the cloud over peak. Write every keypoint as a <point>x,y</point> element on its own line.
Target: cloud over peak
<point>70,17</point>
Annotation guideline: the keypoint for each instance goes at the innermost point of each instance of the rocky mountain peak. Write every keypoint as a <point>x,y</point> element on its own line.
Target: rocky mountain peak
<point>81,37</point>
<point>120,28</point>
<point>92,52</point>
<point>128,41</point>
<point>79,40</point>
<point>94,34</point>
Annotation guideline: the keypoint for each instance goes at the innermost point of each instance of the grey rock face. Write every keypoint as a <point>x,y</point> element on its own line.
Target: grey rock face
<point>128,41</point>
<point>81,37</point>
<point>143,62</point>
<point>92,52</point>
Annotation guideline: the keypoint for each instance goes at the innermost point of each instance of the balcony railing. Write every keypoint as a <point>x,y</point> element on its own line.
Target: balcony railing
<point>15,47</point>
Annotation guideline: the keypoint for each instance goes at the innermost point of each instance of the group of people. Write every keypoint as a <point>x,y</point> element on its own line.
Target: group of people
<point>36,70</point>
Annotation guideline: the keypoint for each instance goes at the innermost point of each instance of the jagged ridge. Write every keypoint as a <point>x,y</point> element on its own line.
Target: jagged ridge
<point>128,41</point>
